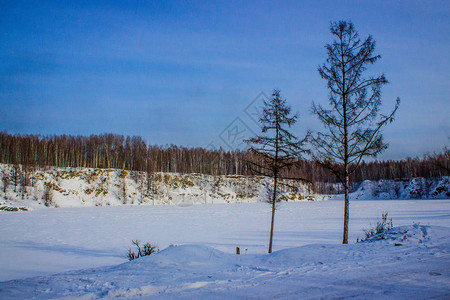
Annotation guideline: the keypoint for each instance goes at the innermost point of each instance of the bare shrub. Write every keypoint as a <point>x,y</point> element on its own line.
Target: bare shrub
<point>48,195</point>
<point>146,249</point>
<point>382,226</point>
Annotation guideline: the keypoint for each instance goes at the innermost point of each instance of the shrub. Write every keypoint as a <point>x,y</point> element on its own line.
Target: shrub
<point>384,225</point>
<point>48,195</point>
<point>7,208</point>
<point>147,249</point>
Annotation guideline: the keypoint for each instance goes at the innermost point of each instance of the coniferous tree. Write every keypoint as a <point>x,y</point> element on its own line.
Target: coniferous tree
<point>276,148</point>
<point>352,121</point>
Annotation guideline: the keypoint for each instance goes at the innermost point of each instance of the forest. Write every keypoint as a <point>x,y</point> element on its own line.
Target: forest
<point>133,153</point>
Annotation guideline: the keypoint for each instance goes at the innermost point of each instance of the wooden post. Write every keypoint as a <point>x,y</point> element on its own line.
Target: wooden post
<point>238,251</point>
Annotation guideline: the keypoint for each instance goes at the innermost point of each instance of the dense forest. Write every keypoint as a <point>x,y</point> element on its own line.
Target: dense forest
<point>133,153</point>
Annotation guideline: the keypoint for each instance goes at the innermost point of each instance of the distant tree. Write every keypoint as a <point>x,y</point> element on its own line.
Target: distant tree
<point>276,148</point>
<point>442,161</point>
<point>48,194</point>
<point>142,182</point>
<point>123,185</point>
<point>24,180</point>
<point>151,185</point>
<point>352,121</point>
<point>15,175</point>
<point>215,188</point>
<point>5,180</point>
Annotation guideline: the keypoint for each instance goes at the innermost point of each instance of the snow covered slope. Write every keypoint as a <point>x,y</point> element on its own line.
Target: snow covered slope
<point>416,188</point>
<point>71,187</point>
<point>409,262</point>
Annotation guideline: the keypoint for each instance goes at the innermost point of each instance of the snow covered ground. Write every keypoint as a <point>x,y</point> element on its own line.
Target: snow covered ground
<point>75,187</point>
<point>414,188</point>
<point>309,262</point>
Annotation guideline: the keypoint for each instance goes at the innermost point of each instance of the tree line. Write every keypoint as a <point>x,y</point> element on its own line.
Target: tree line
<point>133,153</point>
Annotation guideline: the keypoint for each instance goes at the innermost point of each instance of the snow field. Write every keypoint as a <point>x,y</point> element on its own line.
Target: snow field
<point>46,241</point>
<point>412,262</point>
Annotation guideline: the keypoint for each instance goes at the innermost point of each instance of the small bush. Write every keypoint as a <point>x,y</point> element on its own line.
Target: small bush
<point>146,249</point>
<point>7,208</point>
<point>384,225</point>
<point>48,195</point>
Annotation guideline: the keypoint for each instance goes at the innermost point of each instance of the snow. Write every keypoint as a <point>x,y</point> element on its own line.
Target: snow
<point>308,262</point>
<point>415,188</point>
<point>75,187</point>
<point>79,187</point>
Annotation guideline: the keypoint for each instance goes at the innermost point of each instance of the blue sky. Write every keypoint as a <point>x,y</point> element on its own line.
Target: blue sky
<point>178,72</point>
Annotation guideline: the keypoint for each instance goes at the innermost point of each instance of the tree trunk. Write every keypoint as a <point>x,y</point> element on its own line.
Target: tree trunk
<point>274,198</point>
<point>346,207</point>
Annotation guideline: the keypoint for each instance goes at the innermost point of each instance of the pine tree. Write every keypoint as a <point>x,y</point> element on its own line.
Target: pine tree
<point>276,148</point>
<point>352,121</point>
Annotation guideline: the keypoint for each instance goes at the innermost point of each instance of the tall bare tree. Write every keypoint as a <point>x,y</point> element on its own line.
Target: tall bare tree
<point>276,147</point>
<point>352,120</point>
<point>5,180</point>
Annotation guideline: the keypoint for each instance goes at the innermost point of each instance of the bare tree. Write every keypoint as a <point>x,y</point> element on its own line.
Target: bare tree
<point>123,185</point>
<point>15,175</point>
<point>48,194</point>
<point>5,180</point>
<point>24,180</point>
<point>352,121</point>
<point>442,161</point>
<point>152,187</point>
<point>276,148</point>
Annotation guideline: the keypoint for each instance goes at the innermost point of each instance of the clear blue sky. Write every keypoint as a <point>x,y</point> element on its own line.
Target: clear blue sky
<point>178,72</point>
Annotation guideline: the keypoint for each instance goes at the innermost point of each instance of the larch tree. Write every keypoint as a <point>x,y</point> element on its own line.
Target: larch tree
<point>352,120</point>
<point>276,148</point>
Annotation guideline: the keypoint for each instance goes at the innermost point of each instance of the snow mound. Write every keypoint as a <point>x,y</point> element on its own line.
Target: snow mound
<point>188,255</point>
<point>370,270</point>
<point>403,234</point>
<point>415,188</point>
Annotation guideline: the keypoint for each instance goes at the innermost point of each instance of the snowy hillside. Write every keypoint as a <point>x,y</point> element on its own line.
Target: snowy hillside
<point>416,188</point>
<point>71,187</point>
<point>409,262</point>
<point>22,188</point>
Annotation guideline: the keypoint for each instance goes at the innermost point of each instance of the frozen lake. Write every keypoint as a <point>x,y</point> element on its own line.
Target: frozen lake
<point>48,241</point>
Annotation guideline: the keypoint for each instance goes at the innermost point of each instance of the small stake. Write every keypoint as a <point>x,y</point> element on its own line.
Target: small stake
<point>238,251</point>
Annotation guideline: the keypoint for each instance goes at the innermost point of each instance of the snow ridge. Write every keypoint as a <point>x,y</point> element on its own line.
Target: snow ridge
<point>73,187</point>
<point>415,188</point>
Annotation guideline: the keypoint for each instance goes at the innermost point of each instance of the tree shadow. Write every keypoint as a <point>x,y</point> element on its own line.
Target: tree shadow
<point>68,249</point>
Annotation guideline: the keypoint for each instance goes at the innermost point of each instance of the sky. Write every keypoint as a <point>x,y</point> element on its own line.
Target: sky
<point>187,72</point>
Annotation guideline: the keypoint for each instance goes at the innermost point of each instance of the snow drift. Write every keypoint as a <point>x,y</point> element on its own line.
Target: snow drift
<point>415,188</point>
<point>407,262</point>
